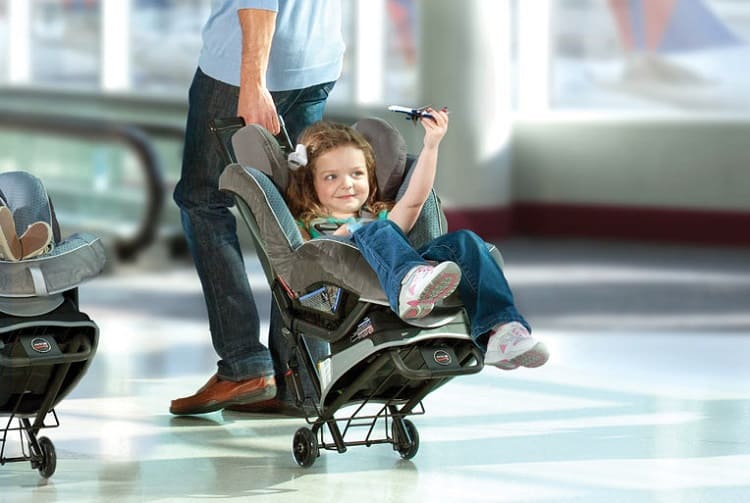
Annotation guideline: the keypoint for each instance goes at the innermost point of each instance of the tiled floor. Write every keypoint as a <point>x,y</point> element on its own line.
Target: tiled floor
<point>646,397</point>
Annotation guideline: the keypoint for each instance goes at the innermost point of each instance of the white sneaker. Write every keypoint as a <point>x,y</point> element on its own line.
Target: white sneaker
<point>425,285</point>
<point>511,346</point>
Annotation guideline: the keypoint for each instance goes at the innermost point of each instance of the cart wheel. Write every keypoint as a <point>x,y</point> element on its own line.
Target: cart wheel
<point>305,447</point>
<point>49,457</point>
<point>407,450</point>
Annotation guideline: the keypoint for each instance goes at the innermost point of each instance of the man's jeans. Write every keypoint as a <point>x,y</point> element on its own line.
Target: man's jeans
<point>484,291</point>
<point>210,227</point>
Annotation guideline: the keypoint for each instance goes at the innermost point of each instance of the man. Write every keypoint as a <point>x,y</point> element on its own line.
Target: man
<point>260,58</point>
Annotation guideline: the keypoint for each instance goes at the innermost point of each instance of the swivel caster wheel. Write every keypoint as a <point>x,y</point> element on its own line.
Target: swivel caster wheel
<point>305,447</point>
<point>48,463</point>
<point>405,447</point>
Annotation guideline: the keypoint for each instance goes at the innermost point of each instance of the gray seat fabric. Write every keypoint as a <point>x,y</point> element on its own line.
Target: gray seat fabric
<point>34,286</point>
<point>73,260</point>
<point>282,250</point>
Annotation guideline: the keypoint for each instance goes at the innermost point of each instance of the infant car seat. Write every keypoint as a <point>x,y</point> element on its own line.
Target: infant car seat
<point>326,290</point>
<point>46,343</point>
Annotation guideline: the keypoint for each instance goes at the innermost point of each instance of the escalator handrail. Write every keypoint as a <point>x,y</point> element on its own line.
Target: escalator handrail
<point>97,129</point>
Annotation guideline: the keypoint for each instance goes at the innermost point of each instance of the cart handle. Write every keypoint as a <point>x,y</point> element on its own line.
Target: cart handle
<point>78,356</point>
<point>421,374</point>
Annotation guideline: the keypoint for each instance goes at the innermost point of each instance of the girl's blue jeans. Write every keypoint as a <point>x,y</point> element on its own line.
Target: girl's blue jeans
<point>483,289</point>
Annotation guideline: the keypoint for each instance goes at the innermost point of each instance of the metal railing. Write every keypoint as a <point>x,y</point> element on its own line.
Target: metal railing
<point>132,136</point>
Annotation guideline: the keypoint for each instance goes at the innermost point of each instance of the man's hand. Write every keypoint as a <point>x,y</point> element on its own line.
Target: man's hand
<point>255,104</point>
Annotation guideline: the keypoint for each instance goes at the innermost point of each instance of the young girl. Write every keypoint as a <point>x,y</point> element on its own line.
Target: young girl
<point>335,185</point>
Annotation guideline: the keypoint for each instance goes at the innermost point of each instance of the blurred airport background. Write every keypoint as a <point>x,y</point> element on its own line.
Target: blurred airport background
<point>562,110</point>
<point>604,145</point>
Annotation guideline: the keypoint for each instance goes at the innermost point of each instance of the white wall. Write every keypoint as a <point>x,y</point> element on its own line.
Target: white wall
<point>679,163</point>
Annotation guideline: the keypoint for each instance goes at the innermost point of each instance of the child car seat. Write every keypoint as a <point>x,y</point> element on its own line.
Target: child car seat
<point>326,290</point>
<point>46,343</point>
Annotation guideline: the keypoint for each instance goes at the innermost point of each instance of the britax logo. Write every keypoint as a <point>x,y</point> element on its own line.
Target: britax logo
<point>41,345</point>
<point>442,357</point>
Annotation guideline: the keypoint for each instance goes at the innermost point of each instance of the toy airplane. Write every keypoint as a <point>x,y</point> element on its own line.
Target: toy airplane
<point>412,114</point>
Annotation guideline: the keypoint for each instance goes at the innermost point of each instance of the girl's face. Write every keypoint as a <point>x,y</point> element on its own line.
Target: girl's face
<point>340,180</point>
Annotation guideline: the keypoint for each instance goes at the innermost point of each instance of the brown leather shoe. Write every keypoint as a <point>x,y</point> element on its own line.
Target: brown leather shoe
<point>10,246</point>
<point>36,240</point>
<point>218,393</point>
<point>272,406</point>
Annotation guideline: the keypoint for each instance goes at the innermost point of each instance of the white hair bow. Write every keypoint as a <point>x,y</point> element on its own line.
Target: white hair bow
<point>298,158</point>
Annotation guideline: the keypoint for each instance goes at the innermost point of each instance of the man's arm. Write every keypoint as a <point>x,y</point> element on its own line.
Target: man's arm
<point>255,104</point>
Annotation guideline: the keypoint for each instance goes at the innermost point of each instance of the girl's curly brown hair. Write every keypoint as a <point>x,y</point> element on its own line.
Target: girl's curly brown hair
<point>320,138</point>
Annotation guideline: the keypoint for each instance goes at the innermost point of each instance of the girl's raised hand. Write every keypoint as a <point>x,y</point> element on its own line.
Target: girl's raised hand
<point>434,127</point>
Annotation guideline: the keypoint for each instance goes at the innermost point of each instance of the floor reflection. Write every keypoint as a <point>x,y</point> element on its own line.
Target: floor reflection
<point>631,407</point>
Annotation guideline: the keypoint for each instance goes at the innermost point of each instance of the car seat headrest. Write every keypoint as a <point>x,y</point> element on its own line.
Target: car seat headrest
<point>390,154</point>
<point>256,147</point>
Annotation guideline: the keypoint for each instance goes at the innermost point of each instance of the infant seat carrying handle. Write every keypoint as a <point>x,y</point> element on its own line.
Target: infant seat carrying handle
<point>84,351</point>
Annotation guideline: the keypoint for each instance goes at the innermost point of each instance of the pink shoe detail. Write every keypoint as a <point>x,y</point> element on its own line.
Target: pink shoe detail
<point>424,286</point>
<point>511,346</point>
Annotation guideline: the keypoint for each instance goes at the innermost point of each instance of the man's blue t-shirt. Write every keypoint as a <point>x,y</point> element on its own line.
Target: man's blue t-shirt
<point>306,51</point>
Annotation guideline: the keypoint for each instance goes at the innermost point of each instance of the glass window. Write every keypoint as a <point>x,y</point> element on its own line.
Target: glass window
<point>4,68</point>
<point>165,44</point>
<point>400,72</point>
<point>380,64</point>
<point>95,186</point>
<point>66,47</point>
<point>688,55</point>
<point>343,92</point>
<point>65,43</point>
